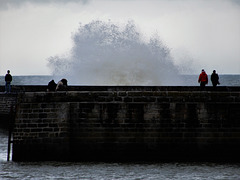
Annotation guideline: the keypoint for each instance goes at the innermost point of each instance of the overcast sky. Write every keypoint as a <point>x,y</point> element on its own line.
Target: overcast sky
<point>202,33</point>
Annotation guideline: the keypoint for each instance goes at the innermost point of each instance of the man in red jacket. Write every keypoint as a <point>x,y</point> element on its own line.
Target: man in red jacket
<point>203,79</point>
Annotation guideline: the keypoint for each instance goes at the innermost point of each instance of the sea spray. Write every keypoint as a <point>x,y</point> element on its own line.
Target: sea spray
<point>105,53</point>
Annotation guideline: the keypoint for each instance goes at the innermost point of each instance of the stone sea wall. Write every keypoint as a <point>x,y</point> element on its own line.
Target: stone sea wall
<point>7,106</point>
<point>127,123</point>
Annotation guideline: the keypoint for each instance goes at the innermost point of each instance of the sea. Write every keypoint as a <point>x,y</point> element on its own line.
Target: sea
<point>114,170</point>
<point>184,80</point>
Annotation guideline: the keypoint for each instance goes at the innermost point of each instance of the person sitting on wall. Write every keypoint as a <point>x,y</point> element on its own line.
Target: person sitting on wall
<point>203,79</point>
<point>215,79</point>
<point>8,80</point>
<point>52,86</point>
<point>62,85</point>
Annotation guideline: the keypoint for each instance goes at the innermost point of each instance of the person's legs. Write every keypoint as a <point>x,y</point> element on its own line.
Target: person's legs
<point>7,87</point>
<point>214,86</point>
<point>202,85</point>
<point>6,90</point>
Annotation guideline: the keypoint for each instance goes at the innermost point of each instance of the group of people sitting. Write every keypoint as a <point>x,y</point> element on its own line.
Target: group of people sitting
<point>60,86</point>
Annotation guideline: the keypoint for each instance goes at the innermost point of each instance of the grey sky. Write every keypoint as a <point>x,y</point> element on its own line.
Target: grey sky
<point>204,34</point>
<point>18,3</point>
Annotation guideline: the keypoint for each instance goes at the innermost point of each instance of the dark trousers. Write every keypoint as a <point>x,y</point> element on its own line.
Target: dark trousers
<point>8,87</point>
<point>202,85</point>
<point>214,86</point>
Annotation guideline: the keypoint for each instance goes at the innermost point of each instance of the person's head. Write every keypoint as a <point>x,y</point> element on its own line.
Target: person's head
<point>214,71</point>
<point>64,81</point>
<point>8,71</point>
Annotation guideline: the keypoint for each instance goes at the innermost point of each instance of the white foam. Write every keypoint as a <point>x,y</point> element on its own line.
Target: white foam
<point>105,53</point>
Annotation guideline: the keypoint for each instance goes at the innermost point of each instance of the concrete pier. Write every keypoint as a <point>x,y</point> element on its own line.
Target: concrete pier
<point>127,123</point>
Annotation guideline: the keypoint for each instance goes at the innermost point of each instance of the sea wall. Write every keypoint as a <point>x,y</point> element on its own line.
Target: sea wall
<point>127,123</point>
<point>7,107</point>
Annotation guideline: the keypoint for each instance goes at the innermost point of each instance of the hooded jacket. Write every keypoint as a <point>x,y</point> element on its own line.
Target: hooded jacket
<point>203,77</point>
<point>214,78</point>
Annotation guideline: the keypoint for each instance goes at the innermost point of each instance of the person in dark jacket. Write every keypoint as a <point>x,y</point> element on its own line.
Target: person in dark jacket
<point>215,79</point>
<point>52,86</point>
<point>203,79</point>
<point>8,80</point>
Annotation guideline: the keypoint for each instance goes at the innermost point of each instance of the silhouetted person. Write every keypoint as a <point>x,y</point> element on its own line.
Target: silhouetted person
<point>62,85</point>
<point>8,80</point>
<point>214,79</point>
<point>52,86</point>
<point>203,79</point>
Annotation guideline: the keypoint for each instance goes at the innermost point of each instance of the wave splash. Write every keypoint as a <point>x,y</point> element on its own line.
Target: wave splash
<point>105,53</point>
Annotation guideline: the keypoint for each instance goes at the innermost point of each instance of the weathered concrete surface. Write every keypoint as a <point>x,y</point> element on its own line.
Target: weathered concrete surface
<point>7,106</point>
<point>123,123</point>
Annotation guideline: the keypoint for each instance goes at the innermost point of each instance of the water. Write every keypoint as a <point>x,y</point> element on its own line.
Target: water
<point>107,171</point>
<point>109,53</point>
<point>185,80</point>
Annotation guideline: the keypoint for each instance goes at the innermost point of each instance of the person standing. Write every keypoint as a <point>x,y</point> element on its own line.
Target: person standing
<point>8,80</point>
<point>203,79</point>
<point>215,79</point>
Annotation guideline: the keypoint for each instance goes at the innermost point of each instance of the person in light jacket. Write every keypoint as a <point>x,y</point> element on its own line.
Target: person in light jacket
<point>62,85</point>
